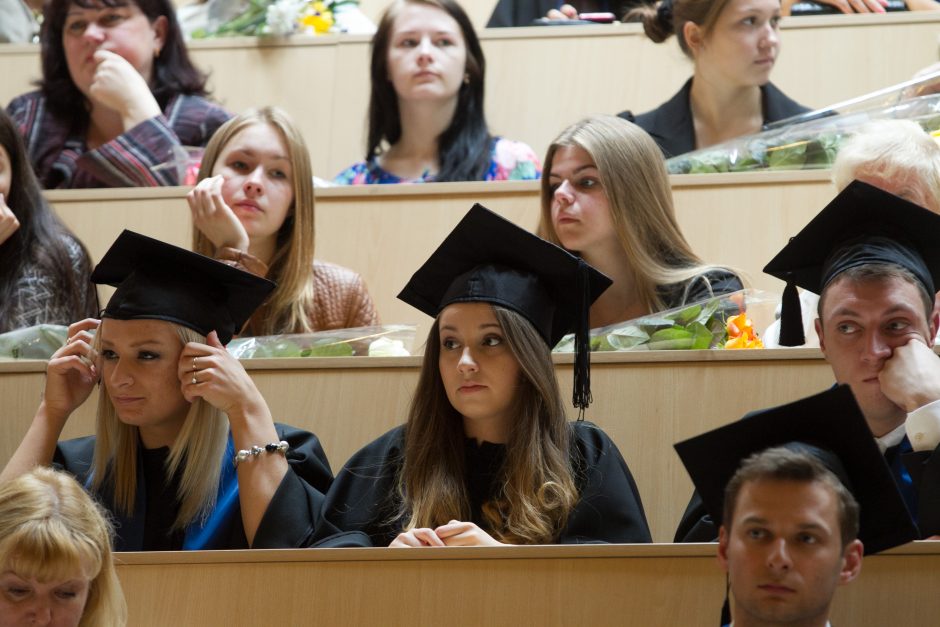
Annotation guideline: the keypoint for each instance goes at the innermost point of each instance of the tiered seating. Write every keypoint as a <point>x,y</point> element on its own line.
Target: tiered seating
<point>539,80</point>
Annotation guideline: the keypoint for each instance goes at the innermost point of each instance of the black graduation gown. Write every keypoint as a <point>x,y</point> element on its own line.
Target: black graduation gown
<point>923,469</point>
<point>363,496</point>
<point>671,126</point>
<point>293,518</point>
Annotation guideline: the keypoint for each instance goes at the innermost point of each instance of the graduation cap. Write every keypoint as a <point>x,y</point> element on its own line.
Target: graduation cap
<point>863,224</point>
<point>487,258</point>
<point>159,281</point>
<point>829,425</point>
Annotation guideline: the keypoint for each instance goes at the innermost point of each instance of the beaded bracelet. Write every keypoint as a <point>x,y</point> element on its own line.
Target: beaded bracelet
<point>272,447</point>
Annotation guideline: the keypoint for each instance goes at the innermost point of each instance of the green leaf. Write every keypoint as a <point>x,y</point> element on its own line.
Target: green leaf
<point>626,338</point>
<point>674,338</point>
<point>332,349</point>
<point>687,315</point>
<point>701,336</point>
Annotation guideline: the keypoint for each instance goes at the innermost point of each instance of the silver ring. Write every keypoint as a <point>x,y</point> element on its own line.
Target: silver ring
<point>194,379</point>
<point>194,365</point>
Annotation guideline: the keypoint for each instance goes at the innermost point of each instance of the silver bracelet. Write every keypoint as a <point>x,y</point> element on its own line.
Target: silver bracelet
<point>272,447</point>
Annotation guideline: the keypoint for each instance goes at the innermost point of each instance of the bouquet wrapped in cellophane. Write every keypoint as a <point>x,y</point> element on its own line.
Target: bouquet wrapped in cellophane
<point>812,140</point>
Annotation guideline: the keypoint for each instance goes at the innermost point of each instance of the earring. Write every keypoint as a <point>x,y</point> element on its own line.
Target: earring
<point>466,78</point>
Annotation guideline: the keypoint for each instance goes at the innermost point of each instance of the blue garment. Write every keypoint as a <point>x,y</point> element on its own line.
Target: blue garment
<point>894,457</point>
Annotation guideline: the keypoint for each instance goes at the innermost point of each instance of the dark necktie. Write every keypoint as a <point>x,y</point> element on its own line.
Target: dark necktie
<point>893,456</point>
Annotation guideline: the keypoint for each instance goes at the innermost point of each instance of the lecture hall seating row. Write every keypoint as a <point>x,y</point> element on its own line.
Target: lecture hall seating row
<point>539,80</point>
<point>597,585</point>
<point>385,232</point>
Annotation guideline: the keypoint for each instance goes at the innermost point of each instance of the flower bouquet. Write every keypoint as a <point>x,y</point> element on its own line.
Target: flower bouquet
<point>812,140</point>
<point>279,18</point>
<point>394,340</point>
<point>38,342</point>
<point>713,323</point>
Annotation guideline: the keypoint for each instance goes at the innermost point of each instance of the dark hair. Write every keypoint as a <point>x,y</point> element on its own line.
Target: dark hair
<point>41,239</point>
<point>464,147</point>
<point>173,72</point>
<point>787,464</point>
<point>668,17</point>
<point>875,272</point>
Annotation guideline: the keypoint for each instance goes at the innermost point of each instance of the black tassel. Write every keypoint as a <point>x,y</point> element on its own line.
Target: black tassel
<point>581,396</point>
<point>726,607</point>
<point>791,318</point>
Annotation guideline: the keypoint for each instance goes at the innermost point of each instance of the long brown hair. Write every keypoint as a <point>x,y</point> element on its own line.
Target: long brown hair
<point>289,306</point>
<point>631,170</point>
<point>537,482</point>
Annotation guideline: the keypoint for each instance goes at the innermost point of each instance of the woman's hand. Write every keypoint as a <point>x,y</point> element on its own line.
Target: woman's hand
<point>457,533</point>
<point>210,372</point>
<point>564,12</point>
<point>119,86</point>
<point>416,538</point>
<point>214,218</point>
<point>72,372</point>
<point>8,221</point>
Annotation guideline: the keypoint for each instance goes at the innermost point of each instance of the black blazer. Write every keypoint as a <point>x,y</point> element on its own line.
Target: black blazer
<point>670,124</point>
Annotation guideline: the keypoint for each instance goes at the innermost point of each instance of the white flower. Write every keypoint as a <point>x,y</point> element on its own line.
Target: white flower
<point>281,17</point>
<point>384,347</point>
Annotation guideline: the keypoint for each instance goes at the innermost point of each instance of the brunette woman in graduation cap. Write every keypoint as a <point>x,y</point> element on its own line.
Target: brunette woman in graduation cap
<point>487,455</point>
<point>186,454</point>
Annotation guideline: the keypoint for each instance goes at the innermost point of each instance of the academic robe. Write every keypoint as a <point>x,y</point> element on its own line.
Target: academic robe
<point>293,518</point>
<point>363,496</point>
<point>917,475</point>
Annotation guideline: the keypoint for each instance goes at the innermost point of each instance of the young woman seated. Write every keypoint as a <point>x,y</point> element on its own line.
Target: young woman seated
<point>118,96</point>
<point>733,45</point>
<point>253,206</point>
<point>55,555</point>
<point>606,196</point>
<point>185,453</point>
<point>44,269</point>
<point>426,120</point>
<point>487,456</point>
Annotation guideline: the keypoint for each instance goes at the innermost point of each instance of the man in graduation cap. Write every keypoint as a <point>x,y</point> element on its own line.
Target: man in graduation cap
<point>811,494</point>
<point>874,259</point>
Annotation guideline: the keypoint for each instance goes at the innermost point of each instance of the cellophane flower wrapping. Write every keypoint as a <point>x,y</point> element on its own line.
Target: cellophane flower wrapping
<point>812,140</point>
<point>392,340</point>
<point>695,326</point>
<point>38,342</point>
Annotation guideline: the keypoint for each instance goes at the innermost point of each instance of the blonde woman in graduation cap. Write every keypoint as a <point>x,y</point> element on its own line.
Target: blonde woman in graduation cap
<point>186,454</point>
<point>487,455</point>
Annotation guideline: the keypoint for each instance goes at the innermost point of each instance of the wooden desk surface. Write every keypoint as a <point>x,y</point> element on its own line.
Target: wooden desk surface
<point>646,401</point>
<point>539,80</point>
<point>542,585</point>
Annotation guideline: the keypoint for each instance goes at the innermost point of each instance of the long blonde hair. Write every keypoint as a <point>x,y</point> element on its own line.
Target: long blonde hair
<point>289,306</point>
<point>631,171</point>
<point>50,528</point>
<point>198,450</point>
<point>537,482</point>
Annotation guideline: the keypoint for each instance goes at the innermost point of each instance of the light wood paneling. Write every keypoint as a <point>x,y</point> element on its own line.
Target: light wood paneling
<point>385,232</point>
<point>646,401</point>
<point>539,80</point>
<point>621,585</point>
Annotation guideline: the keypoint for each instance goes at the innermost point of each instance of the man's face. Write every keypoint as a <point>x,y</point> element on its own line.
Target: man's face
<point>861,324</point>
<point>783,553</point>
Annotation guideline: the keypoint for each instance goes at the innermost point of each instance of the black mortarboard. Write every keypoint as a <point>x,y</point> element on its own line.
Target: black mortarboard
<point>156,280</point>
<point>863,224</point>
<point>830,421</point>
<point>487,258</point>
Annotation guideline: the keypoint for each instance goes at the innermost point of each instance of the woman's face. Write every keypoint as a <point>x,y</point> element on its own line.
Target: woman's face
<point>259,183</point>
<point>580,211</point>
<point>427,55</point>
<point>123,30</point>
<point>478,368</point>
<point>139,360</point>
<point>743,46</point>
<point>24,601</point>
<point>6,173</point>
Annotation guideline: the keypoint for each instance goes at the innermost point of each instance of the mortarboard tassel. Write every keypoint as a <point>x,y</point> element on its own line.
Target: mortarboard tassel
<point>791,318</point>
<point>581,396</point>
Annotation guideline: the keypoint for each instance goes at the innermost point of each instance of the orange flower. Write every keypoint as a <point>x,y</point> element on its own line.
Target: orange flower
<point>741,333</point>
